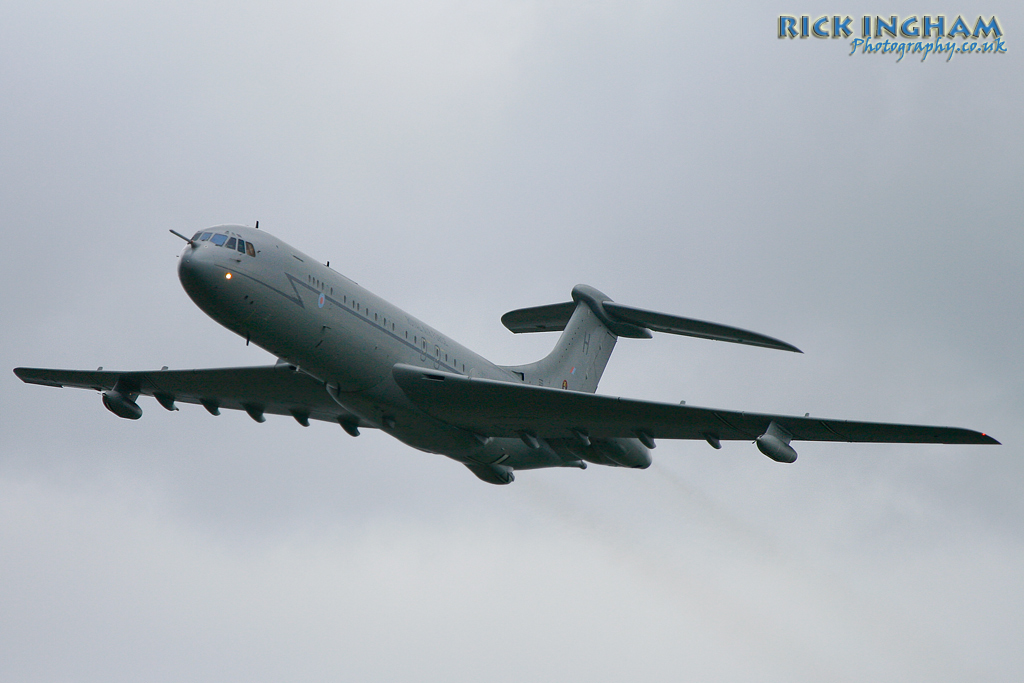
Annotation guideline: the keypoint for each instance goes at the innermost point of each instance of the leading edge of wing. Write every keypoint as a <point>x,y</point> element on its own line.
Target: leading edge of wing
<point>274,389</point>
<point>505,409</point>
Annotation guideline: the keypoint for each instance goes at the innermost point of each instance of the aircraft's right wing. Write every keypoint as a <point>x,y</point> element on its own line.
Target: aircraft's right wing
<point>280,389</point>
<point>506,409</point>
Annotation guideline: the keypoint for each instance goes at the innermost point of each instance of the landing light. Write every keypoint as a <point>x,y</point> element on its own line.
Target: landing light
<point>227,276</point>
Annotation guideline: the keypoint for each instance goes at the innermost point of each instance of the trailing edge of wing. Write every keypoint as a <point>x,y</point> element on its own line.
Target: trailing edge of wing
<point>505,409</point>
<point>554,318</point>
<point>277,390</point>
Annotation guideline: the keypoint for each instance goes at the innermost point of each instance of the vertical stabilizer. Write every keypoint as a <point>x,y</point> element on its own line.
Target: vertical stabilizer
<point>582,352</point>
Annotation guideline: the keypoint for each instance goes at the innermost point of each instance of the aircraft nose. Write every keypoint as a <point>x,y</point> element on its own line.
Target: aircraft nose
<point>187,266</point>
<point>195,272</point>
<point>205,278</point>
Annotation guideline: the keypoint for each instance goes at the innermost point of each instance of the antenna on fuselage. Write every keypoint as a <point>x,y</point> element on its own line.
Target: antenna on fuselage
<point>190,242</point>
<point>257,225</point>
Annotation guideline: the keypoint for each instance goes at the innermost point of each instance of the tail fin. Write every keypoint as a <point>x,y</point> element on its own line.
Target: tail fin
<point>587,341</point>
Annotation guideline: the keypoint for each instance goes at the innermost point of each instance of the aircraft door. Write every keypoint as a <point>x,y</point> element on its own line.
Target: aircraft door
<point>423,349</point>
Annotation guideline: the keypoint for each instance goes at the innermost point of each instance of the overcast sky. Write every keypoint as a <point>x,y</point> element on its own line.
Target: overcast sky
<point>463,159</point>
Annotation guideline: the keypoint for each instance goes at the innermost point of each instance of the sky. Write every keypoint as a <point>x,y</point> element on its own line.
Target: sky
<point>462,159</point>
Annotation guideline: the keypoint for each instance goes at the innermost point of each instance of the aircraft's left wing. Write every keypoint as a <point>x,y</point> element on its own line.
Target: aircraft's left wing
<point>506,409</point>
<point>279,390</point>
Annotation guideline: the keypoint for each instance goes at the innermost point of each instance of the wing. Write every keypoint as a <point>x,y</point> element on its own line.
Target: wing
<point>279,390</point>
<point>505,409</point>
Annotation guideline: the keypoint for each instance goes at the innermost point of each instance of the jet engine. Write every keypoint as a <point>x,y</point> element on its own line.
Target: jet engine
<point>492,474</point>
<point>775,444</point>
<point>121,405</point>
<point>624,452</point>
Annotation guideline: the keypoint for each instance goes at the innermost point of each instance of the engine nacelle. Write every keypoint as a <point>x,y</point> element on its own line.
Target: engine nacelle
<point>775,448</point>
<point>624,452</point>
<point>492,474</point>
<point>121,405</point>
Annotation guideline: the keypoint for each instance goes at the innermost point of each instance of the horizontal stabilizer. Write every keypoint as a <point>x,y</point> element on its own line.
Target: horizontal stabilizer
<point>554,318</point>
<point>661,322</point>
<point>550,318</point>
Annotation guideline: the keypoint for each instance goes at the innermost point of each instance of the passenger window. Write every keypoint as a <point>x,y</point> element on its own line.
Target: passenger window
<point>241,246</point>
<point>231,243</point>
<point>219,239</point>
<point>206,236</point>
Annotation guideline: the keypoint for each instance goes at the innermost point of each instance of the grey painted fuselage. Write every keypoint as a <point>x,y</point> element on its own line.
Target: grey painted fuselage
<point>313,317</point>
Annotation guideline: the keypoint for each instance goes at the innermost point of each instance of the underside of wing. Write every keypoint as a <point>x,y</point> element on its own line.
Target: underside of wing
<point>277,390</point>
<point>505,409</point>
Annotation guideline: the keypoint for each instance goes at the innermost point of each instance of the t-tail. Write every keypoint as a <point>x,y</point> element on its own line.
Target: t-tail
<point>590,325</point>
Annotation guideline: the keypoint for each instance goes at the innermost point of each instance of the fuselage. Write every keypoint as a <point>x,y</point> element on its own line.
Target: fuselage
<point>311,316</point>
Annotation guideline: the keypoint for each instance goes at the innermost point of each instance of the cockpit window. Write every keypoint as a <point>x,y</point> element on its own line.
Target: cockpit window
<point>196,236</point>
<point>250,250</point>
<point>241,246</point>
<point>219,239</point>
<point>205,236</point>
<point>231,243</point>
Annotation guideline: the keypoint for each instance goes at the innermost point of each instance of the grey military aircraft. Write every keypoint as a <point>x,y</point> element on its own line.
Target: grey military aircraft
<point>349,357</point>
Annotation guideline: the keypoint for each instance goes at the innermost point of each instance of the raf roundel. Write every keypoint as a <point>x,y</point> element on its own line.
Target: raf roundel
<point>320,301</point>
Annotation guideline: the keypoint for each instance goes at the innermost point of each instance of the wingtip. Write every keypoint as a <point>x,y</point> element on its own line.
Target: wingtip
<point>780,345</point>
